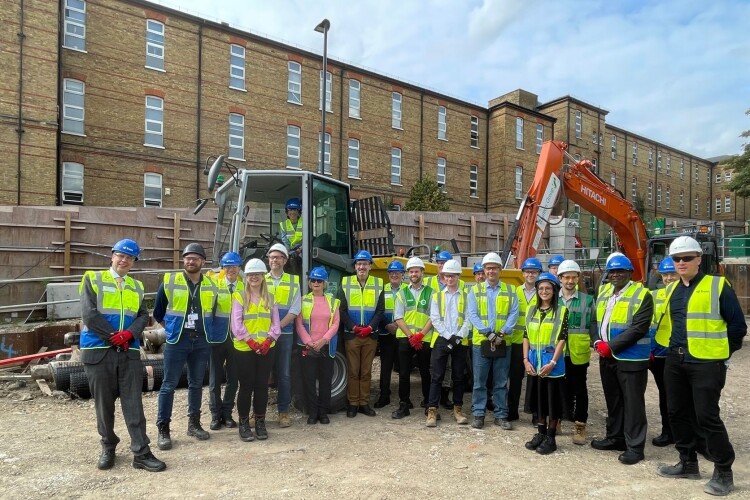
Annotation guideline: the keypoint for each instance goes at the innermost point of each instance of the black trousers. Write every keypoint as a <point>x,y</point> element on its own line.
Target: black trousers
<point>405,353</point>
<point>624,393</point>
<point>222,367</point>
<point>693,392</point>
<point>516,374</point>
<point>657,370</point>
<point>388,351</point>
<point>253,371</point>
<point>317,370</point>
<point>576,391</point>
<point>439,360</point>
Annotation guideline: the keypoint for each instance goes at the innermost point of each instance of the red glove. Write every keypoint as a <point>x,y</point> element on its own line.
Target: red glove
<point>121,338</point>
<point>603,349</point>
<point>253,345</point>
<point>416,341</point>
<point>365,331</point>
<point>357,330</point>
<point>265,346</point>
<point>413,341</point>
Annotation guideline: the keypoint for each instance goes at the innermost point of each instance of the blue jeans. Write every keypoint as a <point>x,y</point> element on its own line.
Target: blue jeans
<point>500,369</point>
<point>195,351</point>
<point>282,369</point>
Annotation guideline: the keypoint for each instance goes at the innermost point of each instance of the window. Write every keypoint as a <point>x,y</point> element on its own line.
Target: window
<point>75,25</point>
<point>442,123</point>
<point>441,173</point>
<point>473,180</point>
<point>594,137</point>
<point>294,83</point>
<point>154,45</point>
<point>519,133</point>
<point>635,153</point>
<point>668,200</point>
<point>708,208</point>
<point>658,196</point>
<point>727,204</point>
<point>650,159</point>
<point>353,159</point>
<point>708,177</point>
<point>474,132</point>
<point>327,155</point>
<point>539,137</point>
<point>669,164</point>
<point>718,178</point>
<point>154,122</point>
<point>650,194</point>
<point>579,124</point>
<point>614,147</point>
<point>236,136</point>
<point>73,106</point>
<point>237,67</point>
<point>613,179</point>
<point>728,176</point>
<point>519,183</point>
<point>658,161</point>
<point>72,183</point>
<point>151,190</point>
<point>396,110</point>
<point>396,166</point>
<point>601,140</point>
<point>292,146</point>
<point>354,88</point>
<point>634,188</point>
<point>682,169</point>
<point>329,92</point>
<point>718,205</point>
<point>695,209</point>
<point>594,165</point>
<point>695,174</point>
<point>682,201</point>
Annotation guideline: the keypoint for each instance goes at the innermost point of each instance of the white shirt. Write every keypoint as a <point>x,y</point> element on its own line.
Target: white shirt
<point>604,326</point>
<point>399,308</point>
<point>449,326</point>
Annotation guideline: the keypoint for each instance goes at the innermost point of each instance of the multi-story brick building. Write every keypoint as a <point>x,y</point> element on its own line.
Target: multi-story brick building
<point>147,94</point>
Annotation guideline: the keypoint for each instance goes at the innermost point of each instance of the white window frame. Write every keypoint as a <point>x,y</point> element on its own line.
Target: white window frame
<point>154,60</point>
<point>708,208</point>
<point>718,178</point>
<point>327,155</point>
<point>682,169</point>
<point>727,204</point>
<point>728,176</point>
<point>682,201</point>
<point>149,179</point>
<point>355,102</point>
<point>669,164</point>
<point>594,137</point>
<point>539,137</point>
<point>519,182</point>
<point>519,132</point>
<point>658,161</point>
<point>71,89</point>
<point>579,124</point>
<point>442,123</point>
<point>594,165</point>
<point>353,164</point>
<point>329,92</point>
<point>75,29</point>
<point>236,81</point>
<point>634,188</point>
<point>650,195</point>
<point>396,110</point>
<point>718,204</point>
<point>658,196</point>
<point>442,172</point>
<point>650,159</point>
<point>696,208</point>
<point>613,179</point>
<point>708,177</point>
<point>152,105</point>
<point>236,136</point>
<point>473,181</point>
<point>474,132</point>
<point>294,83</point>
<point>635,153</point>
<point>613,143</point>
<point>668,198</point>
<point>293,147</point>
<point>72,173</point>
<point>396,166</point>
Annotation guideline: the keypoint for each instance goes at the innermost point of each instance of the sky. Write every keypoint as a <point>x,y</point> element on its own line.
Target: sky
<point>676,71</point>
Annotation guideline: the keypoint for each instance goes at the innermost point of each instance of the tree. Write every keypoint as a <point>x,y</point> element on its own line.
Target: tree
<point>740,183</point>
<point>427,196</point>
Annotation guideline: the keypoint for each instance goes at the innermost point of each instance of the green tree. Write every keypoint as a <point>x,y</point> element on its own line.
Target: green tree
<point>427,196</point>
<point>740,183</point>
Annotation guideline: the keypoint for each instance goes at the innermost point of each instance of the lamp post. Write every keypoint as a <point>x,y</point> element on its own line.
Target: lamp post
<point>323,27</point>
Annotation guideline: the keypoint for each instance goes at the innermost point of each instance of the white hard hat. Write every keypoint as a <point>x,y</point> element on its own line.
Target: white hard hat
<point>568,266</point>
<point>683,244</point>
<point>452,267</point>
<point>255,266</point>
<point>492,258</point>
<point>278,247</point>
<point>613,254</point>
<point>414,262</point>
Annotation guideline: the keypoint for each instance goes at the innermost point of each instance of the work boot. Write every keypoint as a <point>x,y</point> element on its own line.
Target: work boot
<point>260,427</point>
<point>229,422</point>
<point>547,446</point>
<point>535,441</point>
<point>662,440</point>
<point>608,444</point>
<point>106,459</point>
<point>382,402</point>
<point>284,421</point>
<point>246,432</point>
<point>431,417</point>
<point>682,469</point>
<point>148,462</point>
<point>195,429</point>
<point>403,410</point>
<point>504,424</point>
<point>721,484</point>
<point>630,457</point>
<point>216,422</point>
<point>579,434</point>
<point>164,441</point>
<point>478,422</point>
<point>459,416</point>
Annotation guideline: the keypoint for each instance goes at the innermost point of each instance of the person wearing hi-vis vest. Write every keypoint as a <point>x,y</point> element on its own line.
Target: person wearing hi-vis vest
<point>286,292</point>
<point>185,305</point>
<point>543,349</point>
<point>387,343</point>
<point>450,340</point>
<point>290,229</point>
<point>255,326</point>
<point>578,347</point>
<point>493,312</point>
<point>526,296</point>
<point>114,316</point>
<point>362,304</point>
<point>412,315</point>
<point>438,282</point>
<point>623,342</point>
<point>317,328</point>
<point>705,326</point>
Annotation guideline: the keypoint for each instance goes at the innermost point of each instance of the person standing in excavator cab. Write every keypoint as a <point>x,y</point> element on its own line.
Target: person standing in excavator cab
<point>291,227</point>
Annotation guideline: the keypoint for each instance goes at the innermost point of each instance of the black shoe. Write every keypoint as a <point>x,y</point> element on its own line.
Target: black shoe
<point>195,429</point>
<point>312,420</point>
<point>662,440</point>
<point>403,411</point>
<point>164,441</point>
<point>504,423</point>
<point>410,404</point>
<point>721,483</point>
<point>686,470</point>
<point>229,422</point>
<point>148,462</point>
<point>630,457</point>
<point>381,402</point>
<point>366,410</point>
<point>246,432</point>
<point>106,459</point>
<point>547,446</point>
<point>607,444</point>
<point>536,440</point>
<point>260,428</point>
<point>324,419</point>
<point>351,411</point>
<point>478,422</point>
<point>216,423</point>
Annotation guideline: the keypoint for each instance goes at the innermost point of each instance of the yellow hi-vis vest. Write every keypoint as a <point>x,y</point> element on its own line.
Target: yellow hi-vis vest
<point>284,295</point>
<point>293,234</point>
<point>441,300</point>
<point>580,312</point>
<point>307,306</point>
<point>389,300</point>
<point>362,301</point>
<point>178,294</point>
<point>257,320</point>
<point>523,307</point>
<point>223,309</point>
<point>622,317</point>
<point>543,335</point>
<point>661,324</point>
<point>416,311</point>
<point>503,302</point>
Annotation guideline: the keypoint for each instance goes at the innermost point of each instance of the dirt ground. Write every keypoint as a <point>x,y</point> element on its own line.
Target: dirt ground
<point>49,447</point>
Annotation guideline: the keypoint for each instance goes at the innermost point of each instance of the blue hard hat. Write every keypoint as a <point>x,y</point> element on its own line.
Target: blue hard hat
<point>532,263</point>
<point>293,204</point>
<point>363,255</point>
<point>555,260</point>
<point>443,256</point>
<point>318,273</point>
<point>667,266</point>
<point>478,267</point>
<point>231,259</point>
<point>396,266</point>
<point>547,277</point>
<point>619,262</point>
<point>128,247</point>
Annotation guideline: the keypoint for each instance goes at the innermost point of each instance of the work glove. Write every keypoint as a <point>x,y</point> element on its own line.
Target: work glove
<point>357,329</point>
<point>253,345</point>
<point>492,337</point>
<point>265,346</point>
<point>416,341</point>
<point>364,331</point>
<point>413,341</point>
<point>602,348</point>
<point>453,342</point>
<point>120,338</point>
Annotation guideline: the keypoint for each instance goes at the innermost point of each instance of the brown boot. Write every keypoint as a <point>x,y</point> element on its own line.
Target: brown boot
<point>579,434</point>
<point>284,420</point>
<point>431,417</point>
<point>459,416</point>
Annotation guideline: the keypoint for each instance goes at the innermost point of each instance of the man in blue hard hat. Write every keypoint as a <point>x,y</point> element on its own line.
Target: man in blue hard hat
<point>387,339</point>
<point>554,262</point>
<point>291,227</point>
<point>526,297</point>
<point>478,273</point>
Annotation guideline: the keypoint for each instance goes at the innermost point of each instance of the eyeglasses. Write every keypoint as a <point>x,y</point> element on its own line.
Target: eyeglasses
<point>124,256</point>
<point>688,258</point>
<point>315,280</point>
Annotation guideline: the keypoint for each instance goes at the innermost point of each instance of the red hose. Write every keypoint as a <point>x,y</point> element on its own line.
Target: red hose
<point>29,357</point>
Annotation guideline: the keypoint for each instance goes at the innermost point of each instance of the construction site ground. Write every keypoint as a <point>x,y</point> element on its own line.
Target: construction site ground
<point>49,447</point>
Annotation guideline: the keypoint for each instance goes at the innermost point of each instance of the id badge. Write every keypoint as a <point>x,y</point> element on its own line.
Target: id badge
<point>191,319</point>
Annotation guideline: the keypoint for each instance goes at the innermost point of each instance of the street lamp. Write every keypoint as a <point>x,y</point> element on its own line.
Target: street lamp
<point>323,27</point>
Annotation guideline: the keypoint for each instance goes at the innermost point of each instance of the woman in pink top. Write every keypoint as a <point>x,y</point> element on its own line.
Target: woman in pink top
<point>255,327</point>
<point>317,326</point>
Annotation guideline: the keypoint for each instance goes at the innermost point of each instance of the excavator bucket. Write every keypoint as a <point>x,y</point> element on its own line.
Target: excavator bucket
<point>372,227</point>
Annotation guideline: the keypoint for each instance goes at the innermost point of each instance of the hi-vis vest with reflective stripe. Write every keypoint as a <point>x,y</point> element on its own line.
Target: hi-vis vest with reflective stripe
<point>362,301</point>
<point>661,325</point>
<point>523,308</point>
<point>293,234</point>
<point>578,346</point>
<point>223,309</point>
<point>119,307</point>
<point>257,321</point>
<point>178,295</point>
<point>284,294</point>
<point>416,311</point>
<point>622,316</point>
<point>307,306</point>
<point>706,329</point>
<point>502,307</point>
<point>543,334</point>
<point>441,300</point>
<point>390,302</point>
<point>434,283</point>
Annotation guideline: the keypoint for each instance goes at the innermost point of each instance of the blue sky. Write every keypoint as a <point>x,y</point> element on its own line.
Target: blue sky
<point>677,71</point>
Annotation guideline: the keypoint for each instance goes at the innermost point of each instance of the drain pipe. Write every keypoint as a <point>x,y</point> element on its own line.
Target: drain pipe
<point>19,129</point>
<point>198,114</point>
